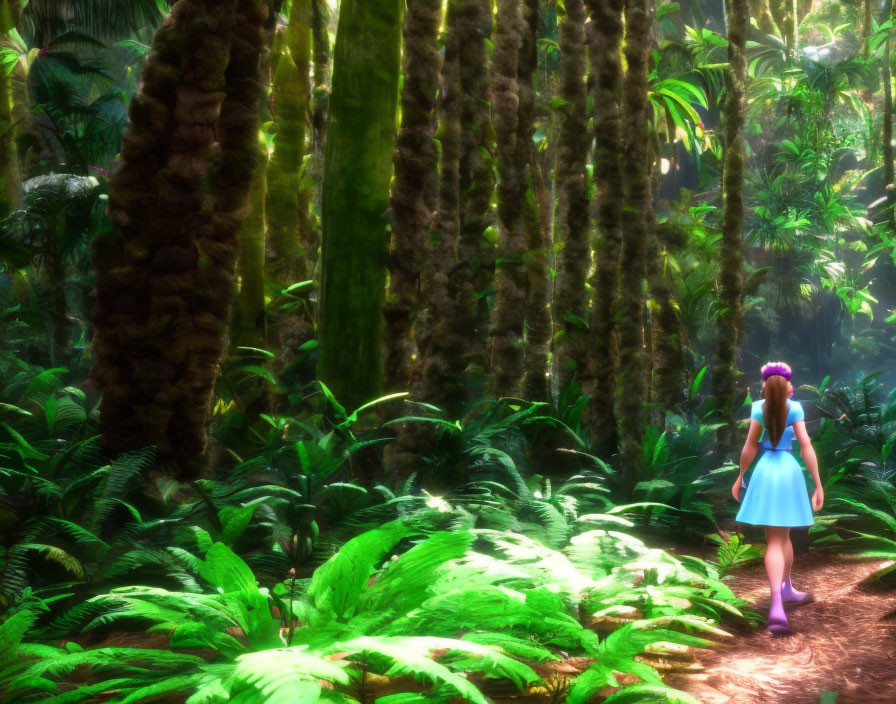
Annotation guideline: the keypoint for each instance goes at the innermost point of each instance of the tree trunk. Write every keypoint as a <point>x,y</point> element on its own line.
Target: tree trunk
<point>291,248</point>
<point>668,363</point>
<point>165,270</point>
<point>248,321</point>
<point>761,9</point>
<point>632,368</point>
<point>439,377</point>
<point>320,33</point>
<point>440,342</point>
<point>571,305</point>
<point>538,315</point>
<point>476,258</point>
<point>10,181</point>
<point>602,365</point>
<point>416,186</point>
<point>865,31</point>
<point>510,271</point>
<point>357,173</point>
<point>887,80</point>
<point>731,265</point>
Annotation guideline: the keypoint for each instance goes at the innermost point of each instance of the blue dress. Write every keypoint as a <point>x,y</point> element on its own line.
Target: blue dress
<point>777,493</point>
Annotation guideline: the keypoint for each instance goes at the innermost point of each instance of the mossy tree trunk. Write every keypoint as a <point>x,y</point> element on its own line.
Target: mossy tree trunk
<point>537,310</point>
<point>415,190</point>
<point>668,364</point>
<point>248,321</point>
<point>730,283</point>
<point>606,67</point>
<point>438,375</point>
<point>632,375</point>
<point>358,169</point>
<point>290,245</point>
<point>440,341</point>
<point>320,34</point>
<point>571,309</point>
<point>507,353</point>
<point>165,269</point>
<point>475,258</point>
<point>887,128</point>
<point>10,181</point>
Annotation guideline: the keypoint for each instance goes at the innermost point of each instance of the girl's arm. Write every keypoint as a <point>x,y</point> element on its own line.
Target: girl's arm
<point>748,454</point>
<point>808,453</point>
<point>751,446</point>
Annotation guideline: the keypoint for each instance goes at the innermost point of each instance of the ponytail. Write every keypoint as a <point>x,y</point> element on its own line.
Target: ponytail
<point>774,412</point>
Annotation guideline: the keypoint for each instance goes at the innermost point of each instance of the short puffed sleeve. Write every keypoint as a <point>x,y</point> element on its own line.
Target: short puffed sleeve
<point>756,411</point>
<point>796,412</point>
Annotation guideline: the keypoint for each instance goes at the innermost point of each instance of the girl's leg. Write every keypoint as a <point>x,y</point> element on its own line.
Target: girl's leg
<point>789,595</point>
<point>776,537</point>
<point>788,557</point>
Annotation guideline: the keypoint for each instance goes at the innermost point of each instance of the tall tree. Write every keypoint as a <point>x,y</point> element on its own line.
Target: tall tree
<point>453,345</point>
<point>290,245</point>
<point>510,272</point>
<point>887,128</point>
<point>606,67</point>
<point>731,269</point>
<point>438,377</point>
<point>440,341</point>
<point>631,393</point>
<point>165,268</point>
<point>537,311</point>
<point>668,362</point>
<point>9,162</point>
<point>416,186</point>
<point>571,309</point>
<point>320,33</point>
<point>248,320</point>
<point>476,182</point>
<point>358,169</point>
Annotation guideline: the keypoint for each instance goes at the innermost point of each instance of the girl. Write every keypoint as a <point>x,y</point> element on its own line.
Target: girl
<point>777,497</point>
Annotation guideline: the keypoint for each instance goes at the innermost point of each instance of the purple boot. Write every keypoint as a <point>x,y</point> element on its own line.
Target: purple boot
<point>789,595</point>
<point>777,618</point>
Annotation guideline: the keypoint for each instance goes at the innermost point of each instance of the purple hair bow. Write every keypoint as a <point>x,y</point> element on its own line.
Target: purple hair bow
<point>773,368</point>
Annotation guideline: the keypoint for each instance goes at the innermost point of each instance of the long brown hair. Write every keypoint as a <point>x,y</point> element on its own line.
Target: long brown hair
<point>774,412</point>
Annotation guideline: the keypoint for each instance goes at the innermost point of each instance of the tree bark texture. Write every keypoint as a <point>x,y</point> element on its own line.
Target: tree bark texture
<point>731,265</point>
<point>415,190</point>
<point>291,247</point>
<point>571,309</point>
<point>538,326</point>
<point>606,67</point>
<point>632,375</point>
<point>357,174</point>
<point>10,180</point>
<point>507,353</point>
<point>165,268</point>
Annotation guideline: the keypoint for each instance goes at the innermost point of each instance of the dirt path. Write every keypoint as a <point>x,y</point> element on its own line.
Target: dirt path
<point>840,643</point>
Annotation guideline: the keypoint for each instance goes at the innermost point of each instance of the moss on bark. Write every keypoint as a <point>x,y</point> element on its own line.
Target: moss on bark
<point>358,170</point>
<point>10,180</point>
<point>291,245</point>
<point>570,306</point>
<point>606,67</point>
<point>475,256</point>
<point>537,311</point>
<point>632,375</point>
<point>415,187</point>
<point>730,283</point>
<point>507,351</point>
<point>442,372</point>
<point>248,321</point>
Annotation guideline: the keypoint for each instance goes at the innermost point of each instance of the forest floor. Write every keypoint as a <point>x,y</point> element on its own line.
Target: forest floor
<point>844,642</point>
